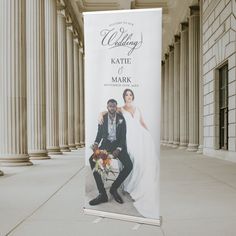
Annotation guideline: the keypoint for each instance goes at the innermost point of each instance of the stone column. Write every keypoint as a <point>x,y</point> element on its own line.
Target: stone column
<point>13,107</point>
<point>84,99</point>
<point>194,40</point>
<point>62,78</point>
<point>171,96</point>
<point>176,90</point>
<point>70,78</point>
<point>201,107</point>
<point>52,123</point>
<point>36,102</point>
<point>83,89</point>
<point>184,85</point>
<point>162,99</point>
<point>166,99</point>
<point>81,85</point>
<point>76,90</point>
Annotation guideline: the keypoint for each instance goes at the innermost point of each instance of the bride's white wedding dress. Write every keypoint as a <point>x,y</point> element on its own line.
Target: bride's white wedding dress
<point>143,182</point>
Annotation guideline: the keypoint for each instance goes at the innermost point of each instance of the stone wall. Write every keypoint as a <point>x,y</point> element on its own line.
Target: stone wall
<point>219,47</point>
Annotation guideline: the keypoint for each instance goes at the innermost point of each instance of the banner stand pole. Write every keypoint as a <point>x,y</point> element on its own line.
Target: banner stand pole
<point>141,220</point>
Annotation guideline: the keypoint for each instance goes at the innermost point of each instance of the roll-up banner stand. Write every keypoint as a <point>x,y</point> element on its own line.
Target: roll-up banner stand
<point>122,114</point>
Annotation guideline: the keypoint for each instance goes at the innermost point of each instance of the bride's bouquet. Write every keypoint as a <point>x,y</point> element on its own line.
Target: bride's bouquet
<point>102,160</point>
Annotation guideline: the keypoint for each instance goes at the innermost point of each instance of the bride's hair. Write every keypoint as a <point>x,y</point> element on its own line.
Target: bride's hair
<point>127,90</point>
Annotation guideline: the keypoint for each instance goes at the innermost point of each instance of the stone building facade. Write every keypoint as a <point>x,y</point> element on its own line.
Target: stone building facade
<point>204,87</point>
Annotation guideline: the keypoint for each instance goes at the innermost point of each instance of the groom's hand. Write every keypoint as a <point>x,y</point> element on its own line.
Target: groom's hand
<point>95,147</point>
<point>116,153</point>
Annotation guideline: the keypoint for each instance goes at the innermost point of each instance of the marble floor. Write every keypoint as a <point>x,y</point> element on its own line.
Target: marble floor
<point>198,198</point>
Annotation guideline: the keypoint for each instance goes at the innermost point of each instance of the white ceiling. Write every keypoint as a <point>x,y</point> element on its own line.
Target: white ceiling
<point>174,12</point>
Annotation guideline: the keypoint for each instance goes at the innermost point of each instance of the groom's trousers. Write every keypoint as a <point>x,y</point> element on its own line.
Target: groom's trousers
<point>124,159</point>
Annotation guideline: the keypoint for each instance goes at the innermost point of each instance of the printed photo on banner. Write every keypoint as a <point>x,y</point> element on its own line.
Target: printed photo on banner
<point>122,97</point>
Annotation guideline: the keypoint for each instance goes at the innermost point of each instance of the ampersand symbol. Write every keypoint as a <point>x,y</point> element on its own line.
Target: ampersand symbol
<point>120,70</point>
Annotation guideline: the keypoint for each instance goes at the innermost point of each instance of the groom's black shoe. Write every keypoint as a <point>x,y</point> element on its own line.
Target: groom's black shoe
<point>101,198</point>
<point>116,195</point>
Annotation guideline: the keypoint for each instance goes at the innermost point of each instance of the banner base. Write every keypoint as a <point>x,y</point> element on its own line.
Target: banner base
<point>136,219</point>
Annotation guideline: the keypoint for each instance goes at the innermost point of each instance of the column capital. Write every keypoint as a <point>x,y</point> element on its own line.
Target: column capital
<point>61,5</point>
<point>81,44</point>
<point>162,62</point>
<point>171,48</point>
<point>76,35</point>
<point>68,19</point>
<point>194,10</point>
<point>166,56</point>
<point>81,49</point>
<point>61,8</point>
<point>61,12</point>
<point>177,38</point>
<point>184,25</point>
<point>76,40</point>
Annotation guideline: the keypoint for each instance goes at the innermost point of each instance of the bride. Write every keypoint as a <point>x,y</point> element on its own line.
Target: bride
<point>142,183</point>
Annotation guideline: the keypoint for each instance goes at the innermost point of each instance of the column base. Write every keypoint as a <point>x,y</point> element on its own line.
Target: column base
<point>175,145</point>
<point>54,151</point>
<point>64,148</point>
<point>82,144</point>
<point>192,147</point>
<point>77,145</point>
<point>169,144</point>
<point>72,147</point>
<point>165,143</point>
<point>38,155</point>
<point>183,146</point>
<point>15,160</point>
<point>200,149</point>
<point>39,158</point>
<point>1,173</point>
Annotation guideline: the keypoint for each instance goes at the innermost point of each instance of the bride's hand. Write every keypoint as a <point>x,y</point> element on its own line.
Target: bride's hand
<point>116,153</point>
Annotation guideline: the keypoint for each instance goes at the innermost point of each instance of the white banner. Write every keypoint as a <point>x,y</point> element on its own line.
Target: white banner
<point>122,112</point>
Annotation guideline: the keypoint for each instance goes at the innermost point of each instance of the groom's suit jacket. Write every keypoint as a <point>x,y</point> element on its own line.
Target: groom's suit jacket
<point>102,133</point>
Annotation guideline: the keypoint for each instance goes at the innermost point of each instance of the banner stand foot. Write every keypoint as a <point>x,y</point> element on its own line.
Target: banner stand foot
<point>136,219</point>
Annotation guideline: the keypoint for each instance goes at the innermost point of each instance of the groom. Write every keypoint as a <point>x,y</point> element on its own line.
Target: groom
<point>112,133</point>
